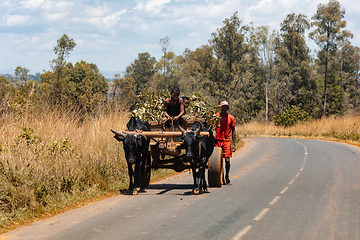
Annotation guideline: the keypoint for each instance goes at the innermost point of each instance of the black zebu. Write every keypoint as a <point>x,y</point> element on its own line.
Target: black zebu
<point>136,147</point>
<point>198,157</point>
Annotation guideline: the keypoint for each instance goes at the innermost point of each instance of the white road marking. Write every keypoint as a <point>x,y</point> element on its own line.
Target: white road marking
<point>243,232</point>
<point>261,214</point>
<point>246,229</point>
<point>284,190</point>
<point>274,200</point>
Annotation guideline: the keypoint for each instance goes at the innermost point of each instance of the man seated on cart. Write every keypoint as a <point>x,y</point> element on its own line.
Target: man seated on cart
<point>174,110</point>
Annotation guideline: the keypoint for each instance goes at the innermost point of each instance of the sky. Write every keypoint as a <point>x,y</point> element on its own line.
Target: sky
<point>111,33</point>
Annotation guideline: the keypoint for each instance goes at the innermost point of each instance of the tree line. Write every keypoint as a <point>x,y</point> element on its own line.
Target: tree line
<point>259,71</point>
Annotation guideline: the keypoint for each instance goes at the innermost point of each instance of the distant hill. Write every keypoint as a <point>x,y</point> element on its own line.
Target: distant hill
<point>7,71</point>
<point>110,75</point>
<point>107,75</point>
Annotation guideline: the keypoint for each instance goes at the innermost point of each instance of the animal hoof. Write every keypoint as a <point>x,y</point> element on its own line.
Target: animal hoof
<point>134,192</point>
<point>227,179</point>
<point>142,190</point>
<point>206,189</point>
<point>196,192</point>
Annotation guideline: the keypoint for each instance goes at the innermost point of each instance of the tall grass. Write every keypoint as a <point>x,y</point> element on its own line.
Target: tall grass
<point>48,160</point>
<point>51,159</point>
<point>345,129</point>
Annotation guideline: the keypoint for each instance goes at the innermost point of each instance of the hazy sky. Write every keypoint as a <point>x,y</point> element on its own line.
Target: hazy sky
<point>111,33</point>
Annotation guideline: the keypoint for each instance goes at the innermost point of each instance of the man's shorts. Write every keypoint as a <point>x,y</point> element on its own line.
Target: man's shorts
<point>226,147</point>
<point>168,123</point>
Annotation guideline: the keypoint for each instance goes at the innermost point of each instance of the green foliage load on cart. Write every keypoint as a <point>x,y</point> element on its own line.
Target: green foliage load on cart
<point>291,116</point>
<point>151,107</point>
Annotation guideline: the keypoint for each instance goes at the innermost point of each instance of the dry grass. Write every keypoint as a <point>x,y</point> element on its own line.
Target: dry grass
<point>345,129</point>
<point>49,162</point>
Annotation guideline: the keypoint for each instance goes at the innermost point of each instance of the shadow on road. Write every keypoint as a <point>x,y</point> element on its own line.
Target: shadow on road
<point>165,188</point>
<point>168,187</point>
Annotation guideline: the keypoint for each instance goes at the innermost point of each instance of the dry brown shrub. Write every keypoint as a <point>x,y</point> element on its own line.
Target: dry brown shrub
<point>51,158</point>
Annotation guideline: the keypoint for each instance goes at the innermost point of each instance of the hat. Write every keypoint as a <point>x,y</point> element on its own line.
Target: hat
<point>224,103</point>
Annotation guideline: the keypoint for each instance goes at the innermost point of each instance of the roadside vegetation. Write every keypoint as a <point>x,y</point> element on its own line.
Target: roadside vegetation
<point>56,150</point>
<point>50,162</point>
<point>343,129</point>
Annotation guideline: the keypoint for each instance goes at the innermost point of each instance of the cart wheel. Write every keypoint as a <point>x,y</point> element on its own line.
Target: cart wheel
<point>215,169</point>
<point>147,172</point>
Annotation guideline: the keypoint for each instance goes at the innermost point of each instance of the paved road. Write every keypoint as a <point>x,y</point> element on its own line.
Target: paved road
<point>281,189</point>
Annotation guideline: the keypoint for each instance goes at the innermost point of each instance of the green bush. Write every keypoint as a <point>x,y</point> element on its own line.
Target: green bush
<point>291,116</point>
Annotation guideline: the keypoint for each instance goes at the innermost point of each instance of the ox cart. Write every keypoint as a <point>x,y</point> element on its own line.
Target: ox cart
<point>167,151</point>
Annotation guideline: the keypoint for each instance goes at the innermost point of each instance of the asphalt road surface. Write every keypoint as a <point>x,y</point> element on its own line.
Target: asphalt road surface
<point>281,189</point>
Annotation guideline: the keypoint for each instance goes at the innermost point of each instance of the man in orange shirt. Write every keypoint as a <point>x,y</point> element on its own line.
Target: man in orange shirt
<point>225,132</point>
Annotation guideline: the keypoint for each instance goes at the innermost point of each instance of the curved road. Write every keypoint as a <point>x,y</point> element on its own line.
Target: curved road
<point>281,189</point>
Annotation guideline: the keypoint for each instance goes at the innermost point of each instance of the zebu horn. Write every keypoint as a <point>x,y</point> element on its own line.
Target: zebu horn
<point>122,134</point>
<point>198,130</point>
<point>181,129</point>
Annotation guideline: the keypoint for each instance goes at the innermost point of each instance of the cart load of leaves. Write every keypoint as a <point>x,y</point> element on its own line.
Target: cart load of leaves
<point>151,108</point>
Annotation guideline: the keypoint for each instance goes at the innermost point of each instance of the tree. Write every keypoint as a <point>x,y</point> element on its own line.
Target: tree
<point>193,71</point>
<point>3,80</point>
<point>86,87</point>
<point>263,41</point>
<point>53,83</point>
<point>164,62</point>
<point>165,78</point>
<point>50,91</point>
<point>141,70</point>
<point>356,60</point>
<point>293,64</point>
<point>165,43</point>
<point>229,46</point>
<point>22,74</point>
<point>81,86</point>
<point>123,93</point>
<point>249,98</point>
<point>63,48</point>
<point>328,33</point>
<point>346,64</point>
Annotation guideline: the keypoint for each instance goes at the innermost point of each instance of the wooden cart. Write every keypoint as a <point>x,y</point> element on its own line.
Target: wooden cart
<point>167,150</point>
